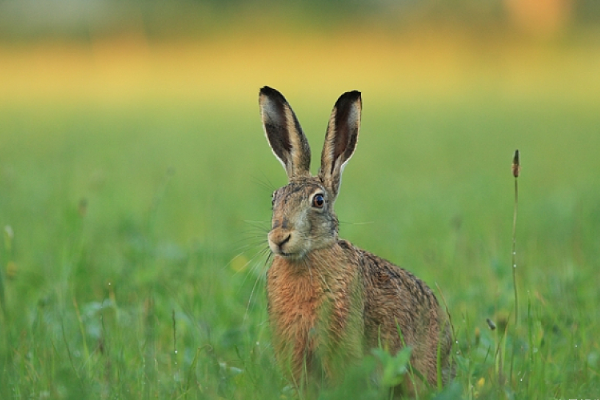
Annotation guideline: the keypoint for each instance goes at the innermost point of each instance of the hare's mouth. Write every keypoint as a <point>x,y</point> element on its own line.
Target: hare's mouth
<point>292,256</point>
<point>287,254</point>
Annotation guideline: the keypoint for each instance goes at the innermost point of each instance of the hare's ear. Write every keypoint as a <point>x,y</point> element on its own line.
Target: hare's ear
<point>340,140</point>
<point>284,133</point>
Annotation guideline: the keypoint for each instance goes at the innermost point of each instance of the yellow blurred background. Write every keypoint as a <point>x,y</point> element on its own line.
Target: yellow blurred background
<point>115,53</point>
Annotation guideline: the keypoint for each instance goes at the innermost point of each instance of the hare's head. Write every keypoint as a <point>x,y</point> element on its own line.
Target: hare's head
<point>303,215</point>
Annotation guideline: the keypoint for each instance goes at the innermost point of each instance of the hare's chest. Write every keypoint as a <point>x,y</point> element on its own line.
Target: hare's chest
<point>294,302</point>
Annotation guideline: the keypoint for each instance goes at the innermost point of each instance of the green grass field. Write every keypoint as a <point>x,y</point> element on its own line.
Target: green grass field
<point>134,234</point>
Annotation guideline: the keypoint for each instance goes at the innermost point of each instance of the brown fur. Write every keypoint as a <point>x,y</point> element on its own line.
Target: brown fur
<point>330,302</point>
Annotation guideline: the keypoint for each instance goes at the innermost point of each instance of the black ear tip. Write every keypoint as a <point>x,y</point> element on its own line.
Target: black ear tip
<point>272,94</point>
<point>349,98</point>
<point>269,91</point>
<point>266,90</point>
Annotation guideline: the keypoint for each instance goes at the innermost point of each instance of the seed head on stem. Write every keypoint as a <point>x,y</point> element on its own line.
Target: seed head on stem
<point>516,166</point>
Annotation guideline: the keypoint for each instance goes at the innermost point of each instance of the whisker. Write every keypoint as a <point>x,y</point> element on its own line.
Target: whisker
<point>250,242</point>
<point>260,225</point>
<point>264,182</point>
<point>356,223</point>
<point>258,277</point>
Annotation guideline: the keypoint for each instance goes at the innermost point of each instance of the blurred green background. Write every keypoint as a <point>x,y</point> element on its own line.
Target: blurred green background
<point>135,185</point>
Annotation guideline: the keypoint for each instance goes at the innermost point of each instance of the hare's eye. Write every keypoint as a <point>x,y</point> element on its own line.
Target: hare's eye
<point>318,201</point>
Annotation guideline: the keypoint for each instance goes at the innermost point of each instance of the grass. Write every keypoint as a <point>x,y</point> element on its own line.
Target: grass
<point>132,264</point>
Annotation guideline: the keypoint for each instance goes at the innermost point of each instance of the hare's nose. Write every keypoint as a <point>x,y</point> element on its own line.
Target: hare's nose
<point>284,241</point>
<point>277,241</point>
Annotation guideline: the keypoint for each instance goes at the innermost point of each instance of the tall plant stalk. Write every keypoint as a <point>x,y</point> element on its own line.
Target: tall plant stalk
<point>516,169</point>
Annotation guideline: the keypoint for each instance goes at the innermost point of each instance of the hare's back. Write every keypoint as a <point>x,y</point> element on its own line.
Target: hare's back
<point>398,305</point>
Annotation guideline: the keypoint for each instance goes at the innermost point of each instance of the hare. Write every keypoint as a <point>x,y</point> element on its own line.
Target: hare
<point>330,302</point>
